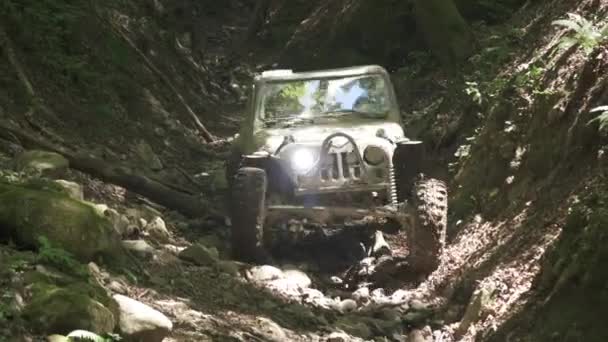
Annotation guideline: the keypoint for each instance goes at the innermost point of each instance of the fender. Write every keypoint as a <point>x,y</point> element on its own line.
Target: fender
<point>407,163</point>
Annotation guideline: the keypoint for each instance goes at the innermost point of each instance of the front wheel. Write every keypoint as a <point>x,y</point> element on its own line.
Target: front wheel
<point>427,234</point>
<point>248,195</point>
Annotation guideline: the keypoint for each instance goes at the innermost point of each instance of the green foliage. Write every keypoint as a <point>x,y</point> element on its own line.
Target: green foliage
<point>602,118</point>
<point>59,258</point>
<point>584,33</point>
<point>472,89</point>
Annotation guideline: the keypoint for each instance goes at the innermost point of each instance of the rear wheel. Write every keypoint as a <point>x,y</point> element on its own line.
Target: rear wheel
<point>248,212</point>
<point>426,238</point>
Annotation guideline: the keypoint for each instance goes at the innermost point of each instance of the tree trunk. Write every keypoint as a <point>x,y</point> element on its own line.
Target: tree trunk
<point>445,31</point>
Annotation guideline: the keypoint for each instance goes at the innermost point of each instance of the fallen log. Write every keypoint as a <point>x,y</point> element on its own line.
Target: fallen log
<point>121,175</point>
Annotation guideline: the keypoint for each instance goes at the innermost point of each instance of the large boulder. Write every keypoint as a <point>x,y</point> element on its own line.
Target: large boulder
<point>55,309</point>
<point>66,223</point>
<point>42,162</point>
<point>140,323</point>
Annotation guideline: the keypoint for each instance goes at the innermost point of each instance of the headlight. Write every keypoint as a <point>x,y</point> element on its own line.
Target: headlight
<point>302,160</point>
<point>374,155</point>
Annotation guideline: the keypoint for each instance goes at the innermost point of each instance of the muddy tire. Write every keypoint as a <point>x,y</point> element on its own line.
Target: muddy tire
<point>248,196</point>
<point>427,233</point>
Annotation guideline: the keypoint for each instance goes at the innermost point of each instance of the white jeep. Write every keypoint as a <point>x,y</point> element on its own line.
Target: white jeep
<point>313,144</point>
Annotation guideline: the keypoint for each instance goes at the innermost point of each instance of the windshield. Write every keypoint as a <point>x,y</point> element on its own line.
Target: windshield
<point>301,101</point>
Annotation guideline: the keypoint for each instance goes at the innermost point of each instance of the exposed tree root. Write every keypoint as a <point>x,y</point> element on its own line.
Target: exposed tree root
<point>124,176</point>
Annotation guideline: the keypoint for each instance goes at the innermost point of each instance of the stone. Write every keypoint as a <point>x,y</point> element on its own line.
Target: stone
<point>74,226</point>
<point>338,337</point>
<point>418,305</point>
<point>145,153</point>
<point>139,322</point>
<point>361,294</point>
<point>158,229</point>
<point>54,309</point>
<point>73,189</point>
<point>270,330</point>
<point>347,305</point>
<point>200,255</point>
<point>119,222</point>
<point>297,278</point>
<point>228,267</point>
<point>100,208</point>
<point>49,164</point>
<point>265,273</point>
<point>139,247</point>
<point>420,335</point>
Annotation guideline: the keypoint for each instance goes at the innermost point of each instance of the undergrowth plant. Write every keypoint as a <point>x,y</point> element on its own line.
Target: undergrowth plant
<point>59,258</point>
<point>584,33</point>
<point>602,118</point>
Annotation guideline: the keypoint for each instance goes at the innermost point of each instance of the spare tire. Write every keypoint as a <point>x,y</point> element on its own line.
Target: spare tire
<point>248,195</point>
<point>426,239</point>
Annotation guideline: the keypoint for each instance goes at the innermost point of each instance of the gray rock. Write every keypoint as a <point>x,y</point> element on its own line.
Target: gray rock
<point>347,305</point>
<point>59,309</point>
<point>339,337</point>
<point>361,294</point>
<point>74,190</point>
<point>262,274</point>
<point>420,335</point>
<point>50,164</point>
<point>418,305</point>
<point>139,322</point>
<point>200,255</point>
<point>147,156</point>
<point>228,267</point>
<point>270,330</point>
<point>158,229</point>
<point>139,247</point>
<point>64,222</point>
<point>297,278</point>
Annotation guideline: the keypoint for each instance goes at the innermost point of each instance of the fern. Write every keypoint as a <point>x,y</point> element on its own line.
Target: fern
<point>584,33</point>
<point>602,119</point>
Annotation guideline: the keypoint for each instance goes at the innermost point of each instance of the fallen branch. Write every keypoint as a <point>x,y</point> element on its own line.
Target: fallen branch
<point>188,205</point>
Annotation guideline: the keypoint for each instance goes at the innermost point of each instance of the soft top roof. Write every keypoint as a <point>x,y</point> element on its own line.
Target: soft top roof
<point>288,75</point>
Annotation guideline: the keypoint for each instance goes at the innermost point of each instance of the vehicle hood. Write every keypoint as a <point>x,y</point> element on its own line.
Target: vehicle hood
<point>362,132</point>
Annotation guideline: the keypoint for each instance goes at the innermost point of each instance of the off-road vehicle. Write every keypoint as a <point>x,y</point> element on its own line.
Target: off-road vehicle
<point>330,143</point>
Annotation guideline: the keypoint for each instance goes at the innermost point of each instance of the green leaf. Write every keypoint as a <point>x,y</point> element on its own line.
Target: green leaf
<point>567,42</point>
<point>600,109</point>
<point>567,24</point>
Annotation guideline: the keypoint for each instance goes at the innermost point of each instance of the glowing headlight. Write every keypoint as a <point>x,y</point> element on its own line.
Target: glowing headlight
<point>374,155</point>
<point>302,160</point>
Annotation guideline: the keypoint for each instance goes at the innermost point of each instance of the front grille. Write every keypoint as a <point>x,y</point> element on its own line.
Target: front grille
<point>340,166</point>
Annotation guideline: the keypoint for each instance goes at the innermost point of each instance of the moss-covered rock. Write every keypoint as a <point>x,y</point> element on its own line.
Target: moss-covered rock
<point>67,223</point>
<point>54,309</point>
<point>47,163</point>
